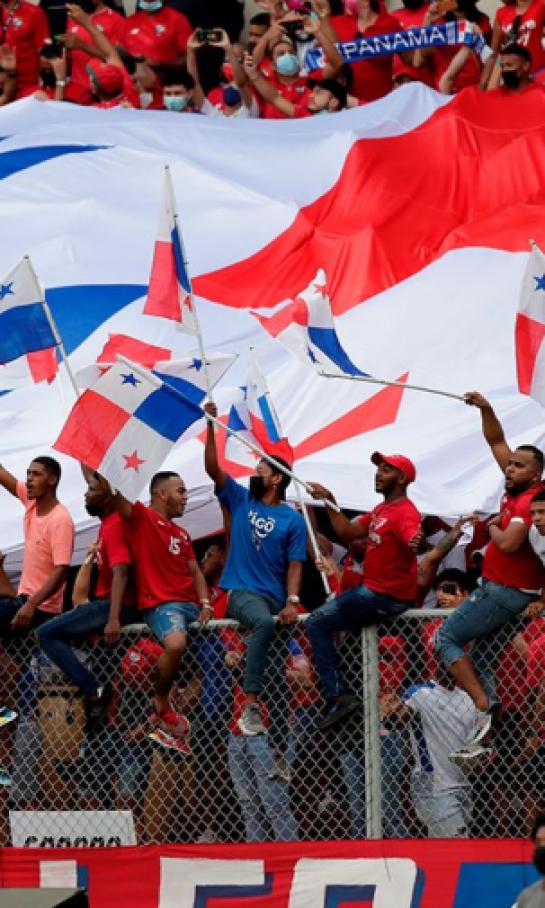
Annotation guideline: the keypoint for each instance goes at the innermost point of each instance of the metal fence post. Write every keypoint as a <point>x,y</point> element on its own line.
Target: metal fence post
<point>371,721</point>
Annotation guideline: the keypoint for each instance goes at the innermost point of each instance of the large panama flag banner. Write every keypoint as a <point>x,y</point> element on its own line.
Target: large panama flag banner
<point>389,241</point>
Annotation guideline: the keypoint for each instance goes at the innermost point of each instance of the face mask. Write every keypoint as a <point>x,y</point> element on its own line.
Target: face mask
<point>510,78</point>
<point>146,99</point>
<point>175,102</point>
<point>539,859</point>
<point>150,6</point>
<point>287,64</point>
<point>351,7</point>
<point>231,96</point>
<point>257,487</point>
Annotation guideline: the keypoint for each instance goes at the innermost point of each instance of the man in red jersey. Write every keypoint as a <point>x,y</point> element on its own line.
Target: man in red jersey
<point>79,41</point>
<point>169,582</point>
<point>113,604</point>
<point>389,586</point>
<point>24,28</point>
<point>158,33</point>
<point>512,578</point>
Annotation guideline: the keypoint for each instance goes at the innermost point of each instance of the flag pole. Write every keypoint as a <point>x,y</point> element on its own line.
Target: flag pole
<point>168,177</point>
<point>53,326</point>
<point>264,456</point>
<point>301,502</point>
<point>395,384</point>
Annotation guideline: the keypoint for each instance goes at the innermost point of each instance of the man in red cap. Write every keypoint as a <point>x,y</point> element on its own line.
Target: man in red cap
<point>393,533</point>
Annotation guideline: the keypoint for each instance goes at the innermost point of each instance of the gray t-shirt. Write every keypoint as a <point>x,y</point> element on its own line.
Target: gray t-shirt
<point>532,897</point>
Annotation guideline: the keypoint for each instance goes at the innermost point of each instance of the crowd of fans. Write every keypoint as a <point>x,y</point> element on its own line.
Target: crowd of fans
<point>188,57</point>
<point>267,716</point>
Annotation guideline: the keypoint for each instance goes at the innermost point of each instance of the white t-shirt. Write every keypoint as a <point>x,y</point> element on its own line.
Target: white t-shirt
<point>537,541</point>
<point>243,113</point>
<point>443,720</point>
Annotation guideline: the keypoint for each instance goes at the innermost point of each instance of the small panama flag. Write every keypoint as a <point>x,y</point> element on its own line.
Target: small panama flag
<point>169,293</point>
<point>125,426</point>
<point>530,328</point>
<point>27,340</point>
<point>306,327</point>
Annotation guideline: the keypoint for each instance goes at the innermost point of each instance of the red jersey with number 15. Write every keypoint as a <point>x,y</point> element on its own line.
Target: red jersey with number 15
<point>161,554</point>
<point>390,565</point>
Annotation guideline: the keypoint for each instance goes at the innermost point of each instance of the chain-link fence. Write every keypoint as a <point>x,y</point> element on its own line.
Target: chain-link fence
<point>383,772</point>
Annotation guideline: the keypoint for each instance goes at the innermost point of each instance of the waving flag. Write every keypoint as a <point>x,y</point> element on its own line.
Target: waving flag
<point>125,425</point>
<point>263,417</point>
<point>307,329</point>
<point>169,293</point>
<point>186,375</point>
<point>530,329</point>
<point>423,263</point>
<point>27,340</point>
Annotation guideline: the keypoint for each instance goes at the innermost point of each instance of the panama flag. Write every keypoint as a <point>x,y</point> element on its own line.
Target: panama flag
<point>125,426</point>
<point>530,329</point>
<point>27,340</point>
<point>186,374</point>
<point>306,327</point>
<point>263,417</point>
<point>411,214</point>
<point>169,292</point>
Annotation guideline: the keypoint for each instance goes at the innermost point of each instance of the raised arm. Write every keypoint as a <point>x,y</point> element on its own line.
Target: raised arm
<point>265,89</point>
<point>105,48</point>
<point>193,45</point>
<point>8,481</point>
<point>211,461</point>
<point>240,77</point>
<point>492,429</point>
<point>346,530</point>
<point>427,569</point>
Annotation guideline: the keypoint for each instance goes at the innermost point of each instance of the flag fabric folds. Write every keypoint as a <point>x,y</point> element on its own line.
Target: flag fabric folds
<point>169,292</point>
<point>306,327</point>
<point>125,426</point>
<point>530,329</point>
<point>27,340</point>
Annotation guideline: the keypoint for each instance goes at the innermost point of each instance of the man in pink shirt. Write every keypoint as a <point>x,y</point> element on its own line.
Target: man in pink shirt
<point>49,542</point>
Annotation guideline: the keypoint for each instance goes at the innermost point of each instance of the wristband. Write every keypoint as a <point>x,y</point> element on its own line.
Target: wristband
<point>61,82</point>
<point>293,599</point>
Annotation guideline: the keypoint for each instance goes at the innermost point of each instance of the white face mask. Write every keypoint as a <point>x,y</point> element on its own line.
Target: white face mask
<point>146,99</point>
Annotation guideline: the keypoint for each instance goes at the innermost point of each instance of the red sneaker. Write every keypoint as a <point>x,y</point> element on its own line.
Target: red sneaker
<point>172,722</point>
<point>170,743</point>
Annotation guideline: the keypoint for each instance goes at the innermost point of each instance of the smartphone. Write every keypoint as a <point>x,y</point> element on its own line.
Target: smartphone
<point>209,35</point>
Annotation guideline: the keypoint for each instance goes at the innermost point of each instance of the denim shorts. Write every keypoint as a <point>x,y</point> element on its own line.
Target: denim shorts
<point>170,617</point>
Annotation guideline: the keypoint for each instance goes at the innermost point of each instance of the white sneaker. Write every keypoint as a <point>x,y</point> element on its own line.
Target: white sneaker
<point>483,727</point>
<point>280,770</point>
<point>250,722</point>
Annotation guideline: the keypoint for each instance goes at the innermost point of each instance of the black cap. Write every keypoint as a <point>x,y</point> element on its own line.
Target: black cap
<point>337,90</point>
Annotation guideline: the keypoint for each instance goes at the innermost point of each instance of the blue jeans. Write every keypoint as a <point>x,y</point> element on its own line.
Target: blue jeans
<point>264,802</point>
<point>481,617</point>
<point>353,773</point>
<point>255,611</point>
<point>56,636</point>
<point>351,610</point>
<point>393,759</point>
<point>169,618</point>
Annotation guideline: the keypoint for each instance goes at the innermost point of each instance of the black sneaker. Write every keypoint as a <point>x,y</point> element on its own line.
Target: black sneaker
<point>340,710</point>
<point>96,711</point>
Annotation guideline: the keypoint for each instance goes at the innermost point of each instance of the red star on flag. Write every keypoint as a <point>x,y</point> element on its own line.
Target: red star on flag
<point>187,302</point>
<point>132,461</point>
<point>322,289</point>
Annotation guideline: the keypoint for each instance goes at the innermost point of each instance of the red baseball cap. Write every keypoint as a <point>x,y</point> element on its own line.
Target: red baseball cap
<point>139,661</point>
<point>109,78</point>
<point>398,461</point>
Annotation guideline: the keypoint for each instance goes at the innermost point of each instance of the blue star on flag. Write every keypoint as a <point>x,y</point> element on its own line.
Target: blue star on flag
<point>5,290</point>
<point>540,282</point>
<point>311,355</point>
<point>130,379</point>
<point>196,364</point>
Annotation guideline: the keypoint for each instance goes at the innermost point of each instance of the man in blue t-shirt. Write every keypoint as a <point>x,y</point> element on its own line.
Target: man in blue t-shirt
<point>264,566</point>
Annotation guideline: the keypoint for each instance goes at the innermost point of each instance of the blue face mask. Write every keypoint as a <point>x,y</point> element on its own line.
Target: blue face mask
<point>287,64</point>
<point>150,6</point>
<point>175,102</point>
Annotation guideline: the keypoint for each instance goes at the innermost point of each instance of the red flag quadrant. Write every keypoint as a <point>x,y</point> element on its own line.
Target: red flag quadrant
<point>136,350</point>
<point>448,175</point>
<point>529,336</point>
<point>43,364</point>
